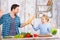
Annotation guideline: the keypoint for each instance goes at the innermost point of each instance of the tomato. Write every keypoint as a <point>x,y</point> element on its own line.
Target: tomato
<point>28,35</point>
<point>35,35</point>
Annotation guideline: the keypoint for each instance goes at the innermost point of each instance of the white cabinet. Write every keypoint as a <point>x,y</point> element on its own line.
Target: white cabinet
<point>43,7</point>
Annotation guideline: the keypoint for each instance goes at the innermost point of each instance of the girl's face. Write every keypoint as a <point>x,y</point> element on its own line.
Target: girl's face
<point>43,20</point>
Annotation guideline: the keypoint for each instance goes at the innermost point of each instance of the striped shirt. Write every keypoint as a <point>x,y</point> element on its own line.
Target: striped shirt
<point>5,20</point>
<point>12,31</point>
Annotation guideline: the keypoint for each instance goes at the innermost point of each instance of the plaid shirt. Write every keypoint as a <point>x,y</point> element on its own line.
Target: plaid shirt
<point>5,20</point>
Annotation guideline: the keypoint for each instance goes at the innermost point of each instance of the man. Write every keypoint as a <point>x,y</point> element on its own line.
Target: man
<point>11,22</point>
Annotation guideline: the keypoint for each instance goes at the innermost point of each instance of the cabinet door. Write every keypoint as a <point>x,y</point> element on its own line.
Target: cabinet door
<point>58,13</point>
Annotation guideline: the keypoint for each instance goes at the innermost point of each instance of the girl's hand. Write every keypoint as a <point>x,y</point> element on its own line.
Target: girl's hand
<point>32,24</point>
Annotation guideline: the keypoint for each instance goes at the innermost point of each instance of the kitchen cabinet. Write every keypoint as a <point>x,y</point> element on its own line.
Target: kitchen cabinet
<point>42,8</point>
<point>58,12</point>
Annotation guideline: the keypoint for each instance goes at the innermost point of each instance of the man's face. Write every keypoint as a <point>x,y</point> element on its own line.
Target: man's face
<point>16,10</point>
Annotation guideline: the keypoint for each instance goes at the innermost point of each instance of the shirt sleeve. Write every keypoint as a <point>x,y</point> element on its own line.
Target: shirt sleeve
<point>1,20</point>
<point>49,28</point>
<point>19,23</point>
<point>36,28</point>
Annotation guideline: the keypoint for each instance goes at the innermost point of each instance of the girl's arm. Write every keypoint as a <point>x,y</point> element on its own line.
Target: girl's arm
<point>35,28</point>
<point>49,28</point>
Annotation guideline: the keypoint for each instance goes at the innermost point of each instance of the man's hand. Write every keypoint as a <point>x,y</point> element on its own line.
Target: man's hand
<point>1,13</point>
<point>28,21</point>
<point>23,24</point>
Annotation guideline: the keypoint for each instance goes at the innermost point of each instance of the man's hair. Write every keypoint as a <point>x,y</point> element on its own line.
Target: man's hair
<point>14,6</point>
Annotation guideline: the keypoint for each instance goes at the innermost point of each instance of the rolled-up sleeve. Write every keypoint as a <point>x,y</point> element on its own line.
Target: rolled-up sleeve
<point>49,28</point>
<point>1,20</point>
<point>19,23</point>
<point>36,28</point>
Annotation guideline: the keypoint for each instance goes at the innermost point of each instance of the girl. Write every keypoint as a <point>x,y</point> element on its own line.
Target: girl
<point>44,27</point>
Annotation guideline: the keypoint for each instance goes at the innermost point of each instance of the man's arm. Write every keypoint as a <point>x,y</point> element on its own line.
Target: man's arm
<point>28,21</point>
<point>1,14</point>
<point>23,25</point>
<point>0,20</point>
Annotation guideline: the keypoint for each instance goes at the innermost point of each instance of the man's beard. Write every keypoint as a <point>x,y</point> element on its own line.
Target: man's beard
<point>15,14</point>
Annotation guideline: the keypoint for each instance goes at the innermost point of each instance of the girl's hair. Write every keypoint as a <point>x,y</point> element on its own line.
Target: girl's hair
<point>46,17</point>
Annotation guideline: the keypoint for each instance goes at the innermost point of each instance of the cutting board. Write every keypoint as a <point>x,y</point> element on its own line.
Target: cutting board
<point>44,35</point>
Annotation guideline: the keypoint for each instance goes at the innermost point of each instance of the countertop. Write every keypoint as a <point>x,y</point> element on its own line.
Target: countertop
<point>34,38</point>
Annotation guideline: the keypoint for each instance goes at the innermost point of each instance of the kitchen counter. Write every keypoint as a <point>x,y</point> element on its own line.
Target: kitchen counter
<point>34,38</point>
<point>40,37</point>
